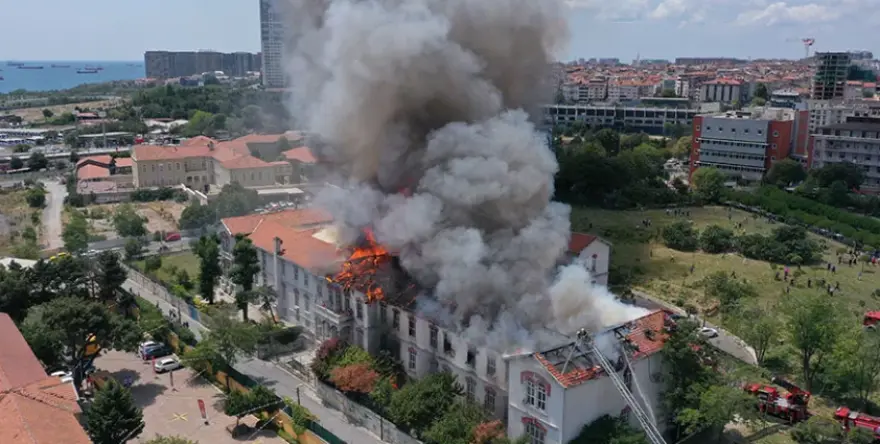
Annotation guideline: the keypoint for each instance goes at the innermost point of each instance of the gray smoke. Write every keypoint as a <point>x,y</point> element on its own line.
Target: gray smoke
<point>426,107</point>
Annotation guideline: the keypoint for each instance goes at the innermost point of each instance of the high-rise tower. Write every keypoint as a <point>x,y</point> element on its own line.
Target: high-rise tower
<point>272,43</point>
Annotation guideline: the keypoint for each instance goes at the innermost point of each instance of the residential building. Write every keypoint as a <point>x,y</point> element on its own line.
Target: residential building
<point>35,408</point>
<point>648,119</point>
<point>722,90</point>
<point>105,178</point>
<point>785,98</point>
<point>201,162</point>
<point>297,250</point>
<point>829,80</point>
<point>724,61</point>
<point>623,90</point>
<point>856,141</point>
<point>272,44</point>
<point>556,392</point>
<point>172,64</point>
<point>746,143</point>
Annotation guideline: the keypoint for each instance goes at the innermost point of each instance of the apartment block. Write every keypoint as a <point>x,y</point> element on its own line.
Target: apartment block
<point>746,143</point>
<point>648,119</point>
<point>201,162</point>
<point>723,90</point>
<point>272,44</point>
<point>855,141</point>
<point>171,64</point>
<point>829,80</point>
<point>297,251</point>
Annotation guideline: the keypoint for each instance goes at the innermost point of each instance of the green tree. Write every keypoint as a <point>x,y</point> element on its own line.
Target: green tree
<point>36,197</point>
<point>718,405</point>
<point>134,248</point>
<point>760,330</point>
<point>152,263</point>
<point>208,250</point>
<point>76,233</point>
<point>668,93</point>
<point>851,175</point>
<point>245,266</point>
<point>708,183</point>
<point>609,139</point>
<point>728,290</point>
<point>681,236</point>
<point>785,172</point>
<point>609,430</point>
<point>15,163</point>
<point>128,223</point>
<point>197,216</point>
<point>818,430</point>
<point>199,123</point>
<point>67,324</point>
<point>685,353</point>
<point>456,425</point>
<point>761,91</point>
<point>259,399</point>
<point>113,417</point>
<point>854,366</point>
<point>682,147</point>
<point>235,200</point>
<point>814,327</point>
<point>37,161</point>
<point>226,341</point>
<point>47,113</point>
<point>109,276</point>
<point>715,239</point>
<point>415,406</point>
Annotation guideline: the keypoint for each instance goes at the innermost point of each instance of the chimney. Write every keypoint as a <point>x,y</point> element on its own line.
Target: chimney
<point>210,146</point>
<point>278,244</point>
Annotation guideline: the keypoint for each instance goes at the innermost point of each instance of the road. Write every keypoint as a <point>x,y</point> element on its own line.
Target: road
<point>52,227</point>
<point>725,341</point>
<point>280,380</point>
<point>151,248</point>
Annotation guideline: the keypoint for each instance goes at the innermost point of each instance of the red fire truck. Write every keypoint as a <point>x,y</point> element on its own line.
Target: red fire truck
<point>851,419</point>
<point>790,405</point>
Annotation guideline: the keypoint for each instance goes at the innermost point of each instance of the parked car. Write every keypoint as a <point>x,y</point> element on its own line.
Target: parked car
<point>166,365</point>
<point>150,350</point>
<point>65,376</point>
<point>709,332</point>
<point>171,237</point>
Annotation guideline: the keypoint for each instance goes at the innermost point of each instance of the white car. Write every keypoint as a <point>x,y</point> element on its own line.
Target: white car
<point>709,332</point>
<point>65,376</point>
<point>166,365</point>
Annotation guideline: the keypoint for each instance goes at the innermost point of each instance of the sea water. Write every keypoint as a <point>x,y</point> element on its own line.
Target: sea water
<point>50,78</point>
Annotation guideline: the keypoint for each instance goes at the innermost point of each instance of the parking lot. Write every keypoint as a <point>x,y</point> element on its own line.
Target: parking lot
<point>174,410</point>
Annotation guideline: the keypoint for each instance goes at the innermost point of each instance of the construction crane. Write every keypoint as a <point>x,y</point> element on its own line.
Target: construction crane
<point>806,41</point>
<point>584,340</point>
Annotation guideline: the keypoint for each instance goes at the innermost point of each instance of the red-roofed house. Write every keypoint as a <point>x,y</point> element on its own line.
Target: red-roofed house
<point>106,169</point>
<point>35,408</point>
<point>554,393</point>
<point>594,252</point>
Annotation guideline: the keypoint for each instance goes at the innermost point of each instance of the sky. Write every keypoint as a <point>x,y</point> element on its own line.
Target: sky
<point>664,29</point>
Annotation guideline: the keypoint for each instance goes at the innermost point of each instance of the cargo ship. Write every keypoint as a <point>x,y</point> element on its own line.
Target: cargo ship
<point>87,71</point>
<point>61,66</point>
<point>30,67</point>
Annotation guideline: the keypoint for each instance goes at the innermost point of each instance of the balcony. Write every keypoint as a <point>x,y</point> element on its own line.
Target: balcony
<point>336,317</point>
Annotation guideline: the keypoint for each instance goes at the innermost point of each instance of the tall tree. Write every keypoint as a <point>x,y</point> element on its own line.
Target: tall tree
<point>227,340</point>
<point>759,330</point>
<point>814,327</point>
<point>685,352</point>
<point>718,405</point>
<point>266,296</point>
<point>208,250</point>
<point>109,276</point>
<point>128,223</point>
<point>415,406</point>
<point>456,425</point>
<point>246,265</point>
<point>113,417</point>
<point>785,172</point>
<point>76,233</point>
<point>761,91</point>
<point>708,182</point>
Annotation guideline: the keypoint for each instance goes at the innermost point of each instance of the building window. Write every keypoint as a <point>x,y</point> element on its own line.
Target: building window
<point>434,334</point>
<point>535,432</point>
<point>774,146</point>
<point>412,358</point>
<point>447,347</point>
<point>412,326</point>
<point>320,290</point>
<point>306,302</point>
<point>775,133</point>
<point>490,365</point>
<point>359,310</point>
<point>178,166</point>
<point>296,297</point>
<point>383,313</point>
<point>471,357</point>
<point>760,132</point>
<point>395,319</point>
<point>536,393</point>
<point>295,273</point>
<point>489,400</point>
<point>470,389</point>
<point>305,279</point>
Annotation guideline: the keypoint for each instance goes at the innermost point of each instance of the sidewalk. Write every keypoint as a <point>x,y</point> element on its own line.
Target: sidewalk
<point>271,375</point>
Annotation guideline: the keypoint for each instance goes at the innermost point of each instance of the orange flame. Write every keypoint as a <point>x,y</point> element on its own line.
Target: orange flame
<point>359,270</point>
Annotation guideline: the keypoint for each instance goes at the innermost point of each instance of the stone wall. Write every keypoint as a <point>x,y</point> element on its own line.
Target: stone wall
<point>362,416</point>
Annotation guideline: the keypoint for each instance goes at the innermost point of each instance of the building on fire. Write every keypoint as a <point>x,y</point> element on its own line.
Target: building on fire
<point>297,251</point>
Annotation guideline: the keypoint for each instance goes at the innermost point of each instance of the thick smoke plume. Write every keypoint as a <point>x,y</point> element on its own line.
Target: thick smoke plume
<point>425,108</point>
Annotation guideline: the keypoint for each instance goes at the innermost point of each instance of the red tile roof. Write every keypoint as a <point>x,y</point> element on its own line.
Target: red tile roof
<point>244,162</point>
<point>296,219</point>
<point>124,162</point>
<point>197,141</point>
<point>302,154</point>
<point>579,241</point>
<point>90,171</point>
<point>636,336</point>
<point>156,152</point>
<point>103,159</point>
<point>34,408</point>
<point>299,247</point>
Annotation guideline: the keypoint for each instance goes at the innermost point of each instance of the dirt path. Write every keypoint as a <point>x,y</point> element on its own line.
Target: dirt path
<point>52,214</point>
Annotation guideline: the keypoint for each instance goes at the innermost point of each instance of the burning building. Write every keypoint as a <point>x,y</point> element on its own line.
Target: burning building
<point>363,295</point>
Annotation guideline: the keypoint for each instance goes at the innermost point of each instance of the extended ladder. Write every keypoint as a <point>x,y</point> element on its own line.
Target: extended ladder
<point>654,435</point>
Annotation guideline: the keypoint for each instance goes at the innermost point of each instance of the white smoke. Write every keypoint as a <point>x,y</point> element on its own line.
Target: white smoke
<point>425,108</point>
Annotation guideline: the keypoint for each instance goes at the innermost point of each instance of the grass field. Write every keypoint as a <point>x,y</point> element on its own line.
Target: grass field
<point>666,273</point>
<point>15,216</point>
<point>178,261</point>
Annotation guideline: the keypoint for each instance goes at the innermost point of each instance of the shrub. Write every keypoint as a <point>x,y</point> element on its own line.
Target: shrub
<point>326,357</point>
<point>681,236</point>
<point>356,378</point>
<point>715,239</point>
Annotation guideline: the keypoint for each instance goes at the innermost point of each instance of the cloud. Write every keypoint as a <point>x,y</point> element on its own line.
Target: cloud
<point>616,11</point>
<point>787,13</point>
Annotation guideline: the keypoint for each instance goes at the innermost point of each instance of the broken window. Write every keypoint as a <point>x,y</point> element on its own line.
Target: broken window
<point>471,357</point>
<point>395,320</point>
<point>434,333</point>
<point>447,347</point>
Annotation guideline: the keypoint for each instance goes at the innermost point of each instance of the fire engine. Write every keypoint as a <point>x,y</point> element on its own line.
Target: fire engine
<point>871,319</point>
<point>790,406</point>
<point>851,419</point>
